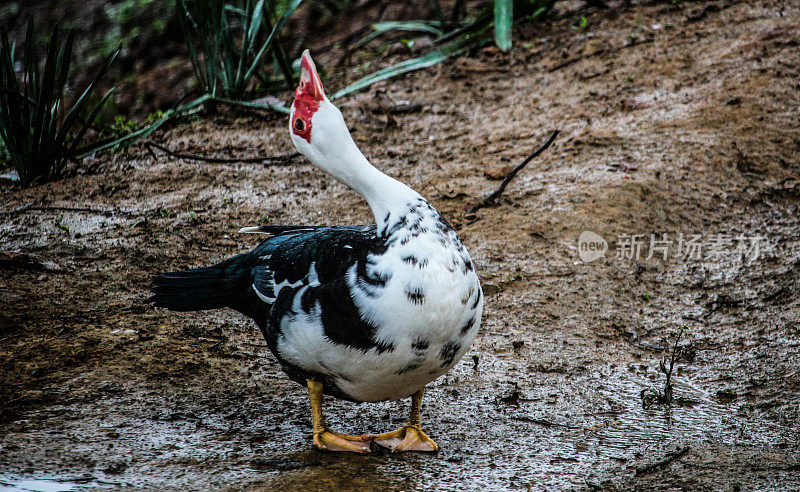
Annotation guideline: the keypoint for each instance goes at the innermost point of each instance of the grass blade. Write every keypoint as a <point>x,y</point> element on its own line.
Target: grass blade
<point>380,28</point>
<point>146,131</point>
<point>227,59</point>
<point>283,63</point>
<point>12,103</point>
<point>419,63</point>
<point>78,106</point>
<point>89,120</point>
<point>481,21</point>
<point>64,57</point>
<point>255,24</point>
<point>247,46</point>
<point>275,30</point>
<point>32,132</point>
<point>253,105</point>
<point>183,15</point>
<point>43,149</point>
<point>31,76</point>
<point>503,20</point>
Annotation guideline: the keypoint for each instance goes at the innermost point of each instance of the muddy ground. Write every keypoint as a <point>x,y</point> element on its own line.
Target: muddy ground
<point>674,119</point>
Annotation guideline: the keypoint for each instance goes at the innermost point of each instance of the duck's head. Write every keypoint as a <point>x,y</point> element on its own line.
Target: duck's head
<point>319,132</point>
<point>317,127</point>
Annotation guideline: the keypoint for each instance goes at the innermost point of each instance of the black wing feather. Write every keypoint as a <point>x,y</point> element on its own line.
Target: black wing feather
<point>288,255</point>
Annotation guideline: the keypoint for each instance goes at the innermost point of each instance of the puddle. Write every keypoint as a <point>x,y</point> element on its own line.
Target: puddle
<point>34,485</point>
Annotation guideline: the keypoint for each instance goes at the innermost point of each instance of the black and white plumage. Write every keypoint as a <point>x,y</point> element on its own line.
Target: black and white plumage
<point>374,314</point>
<point>370,312</point>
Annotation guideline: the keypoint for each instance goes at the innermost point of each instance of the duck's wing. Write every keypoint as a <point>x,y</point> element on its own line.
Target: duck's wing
<point>308,276</point>
<point>297,256</point>
<point>250,283</point>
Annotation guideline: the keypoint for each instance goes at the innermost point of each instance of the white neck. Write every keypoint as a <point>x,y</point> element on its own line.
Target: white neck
<point>334,151</point>
<point>382,193</point>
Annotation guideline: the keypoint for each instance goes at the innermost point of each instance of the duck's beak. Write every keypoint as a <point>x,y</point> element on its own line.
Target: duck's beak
<point>310,82</point>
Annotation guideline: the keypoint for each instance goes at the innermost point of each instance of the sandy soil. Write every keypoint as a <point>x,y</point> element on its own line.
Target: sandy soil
<point>674,119</point>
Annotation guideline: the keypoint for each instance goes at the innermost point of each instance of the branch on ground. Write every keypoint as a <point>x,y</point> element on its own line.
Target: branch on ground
<point>499,191</point>
<point>279,160</point>
<point>642,470</point>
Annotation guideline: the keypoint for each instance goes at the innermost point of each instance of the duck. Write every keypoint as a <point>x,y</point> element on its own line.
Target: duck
<point>362,313</point>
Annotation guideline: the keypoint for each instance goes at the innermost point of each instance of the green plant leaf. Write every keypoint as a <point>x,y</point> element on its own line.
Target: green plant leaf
<point>36,139</point>
<point>78,106</point>
<point>275,30</point>
<point>64,59</point>
<point>419,63</point>
<point>31,77</point>
<point>255,21</point>
<point>89,120</point>
<point>280,59</point>
<point>253,105</point>
<point>183,18</point>
<point>503,20</point>
<point>381,28</point>
<point>147,130</point>
<point>43,104</point>
<point>227,59</point>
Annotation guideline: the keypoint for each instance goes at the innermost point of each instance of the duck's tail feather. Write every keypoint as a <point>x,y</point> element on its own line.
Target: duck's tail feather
<point>227,284</point>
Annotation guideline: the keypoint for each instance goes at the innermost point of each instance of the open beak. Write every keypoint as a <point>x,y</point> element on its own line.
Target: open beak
<point>310,82</point>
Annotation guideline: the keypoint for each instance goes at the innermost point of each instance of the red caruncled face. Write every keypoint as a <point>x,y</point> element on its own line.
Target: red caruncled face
<point>306,98</point>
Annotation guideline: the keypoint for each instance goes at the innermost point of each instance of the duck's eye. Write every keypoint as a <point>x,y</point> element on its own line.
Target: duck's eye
<point>302,84</point>
<point>299,125</point>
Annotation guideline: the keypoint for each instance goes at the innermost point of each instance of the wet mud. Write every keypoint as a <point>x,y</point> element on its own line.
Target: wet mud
<point>674,119</point>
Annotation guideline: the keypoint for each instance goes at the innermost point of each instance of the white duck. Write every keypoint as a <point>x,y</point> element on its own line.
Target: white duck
<point>362,313</point>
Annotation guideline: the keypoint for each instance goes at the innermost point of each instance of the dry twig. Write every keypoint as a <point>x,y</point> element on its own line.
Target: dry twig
<point>31,206</point>
<point>543,422</point>
<point>642,470</point>
<point>279,160</point>
<point>650,396</point>
<point>499,191</point>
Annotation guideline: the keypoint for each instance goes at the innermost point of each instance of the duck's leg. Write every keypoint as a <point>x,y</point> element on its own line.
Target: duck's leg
<point>325,438</point>
<point>409,437</point>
